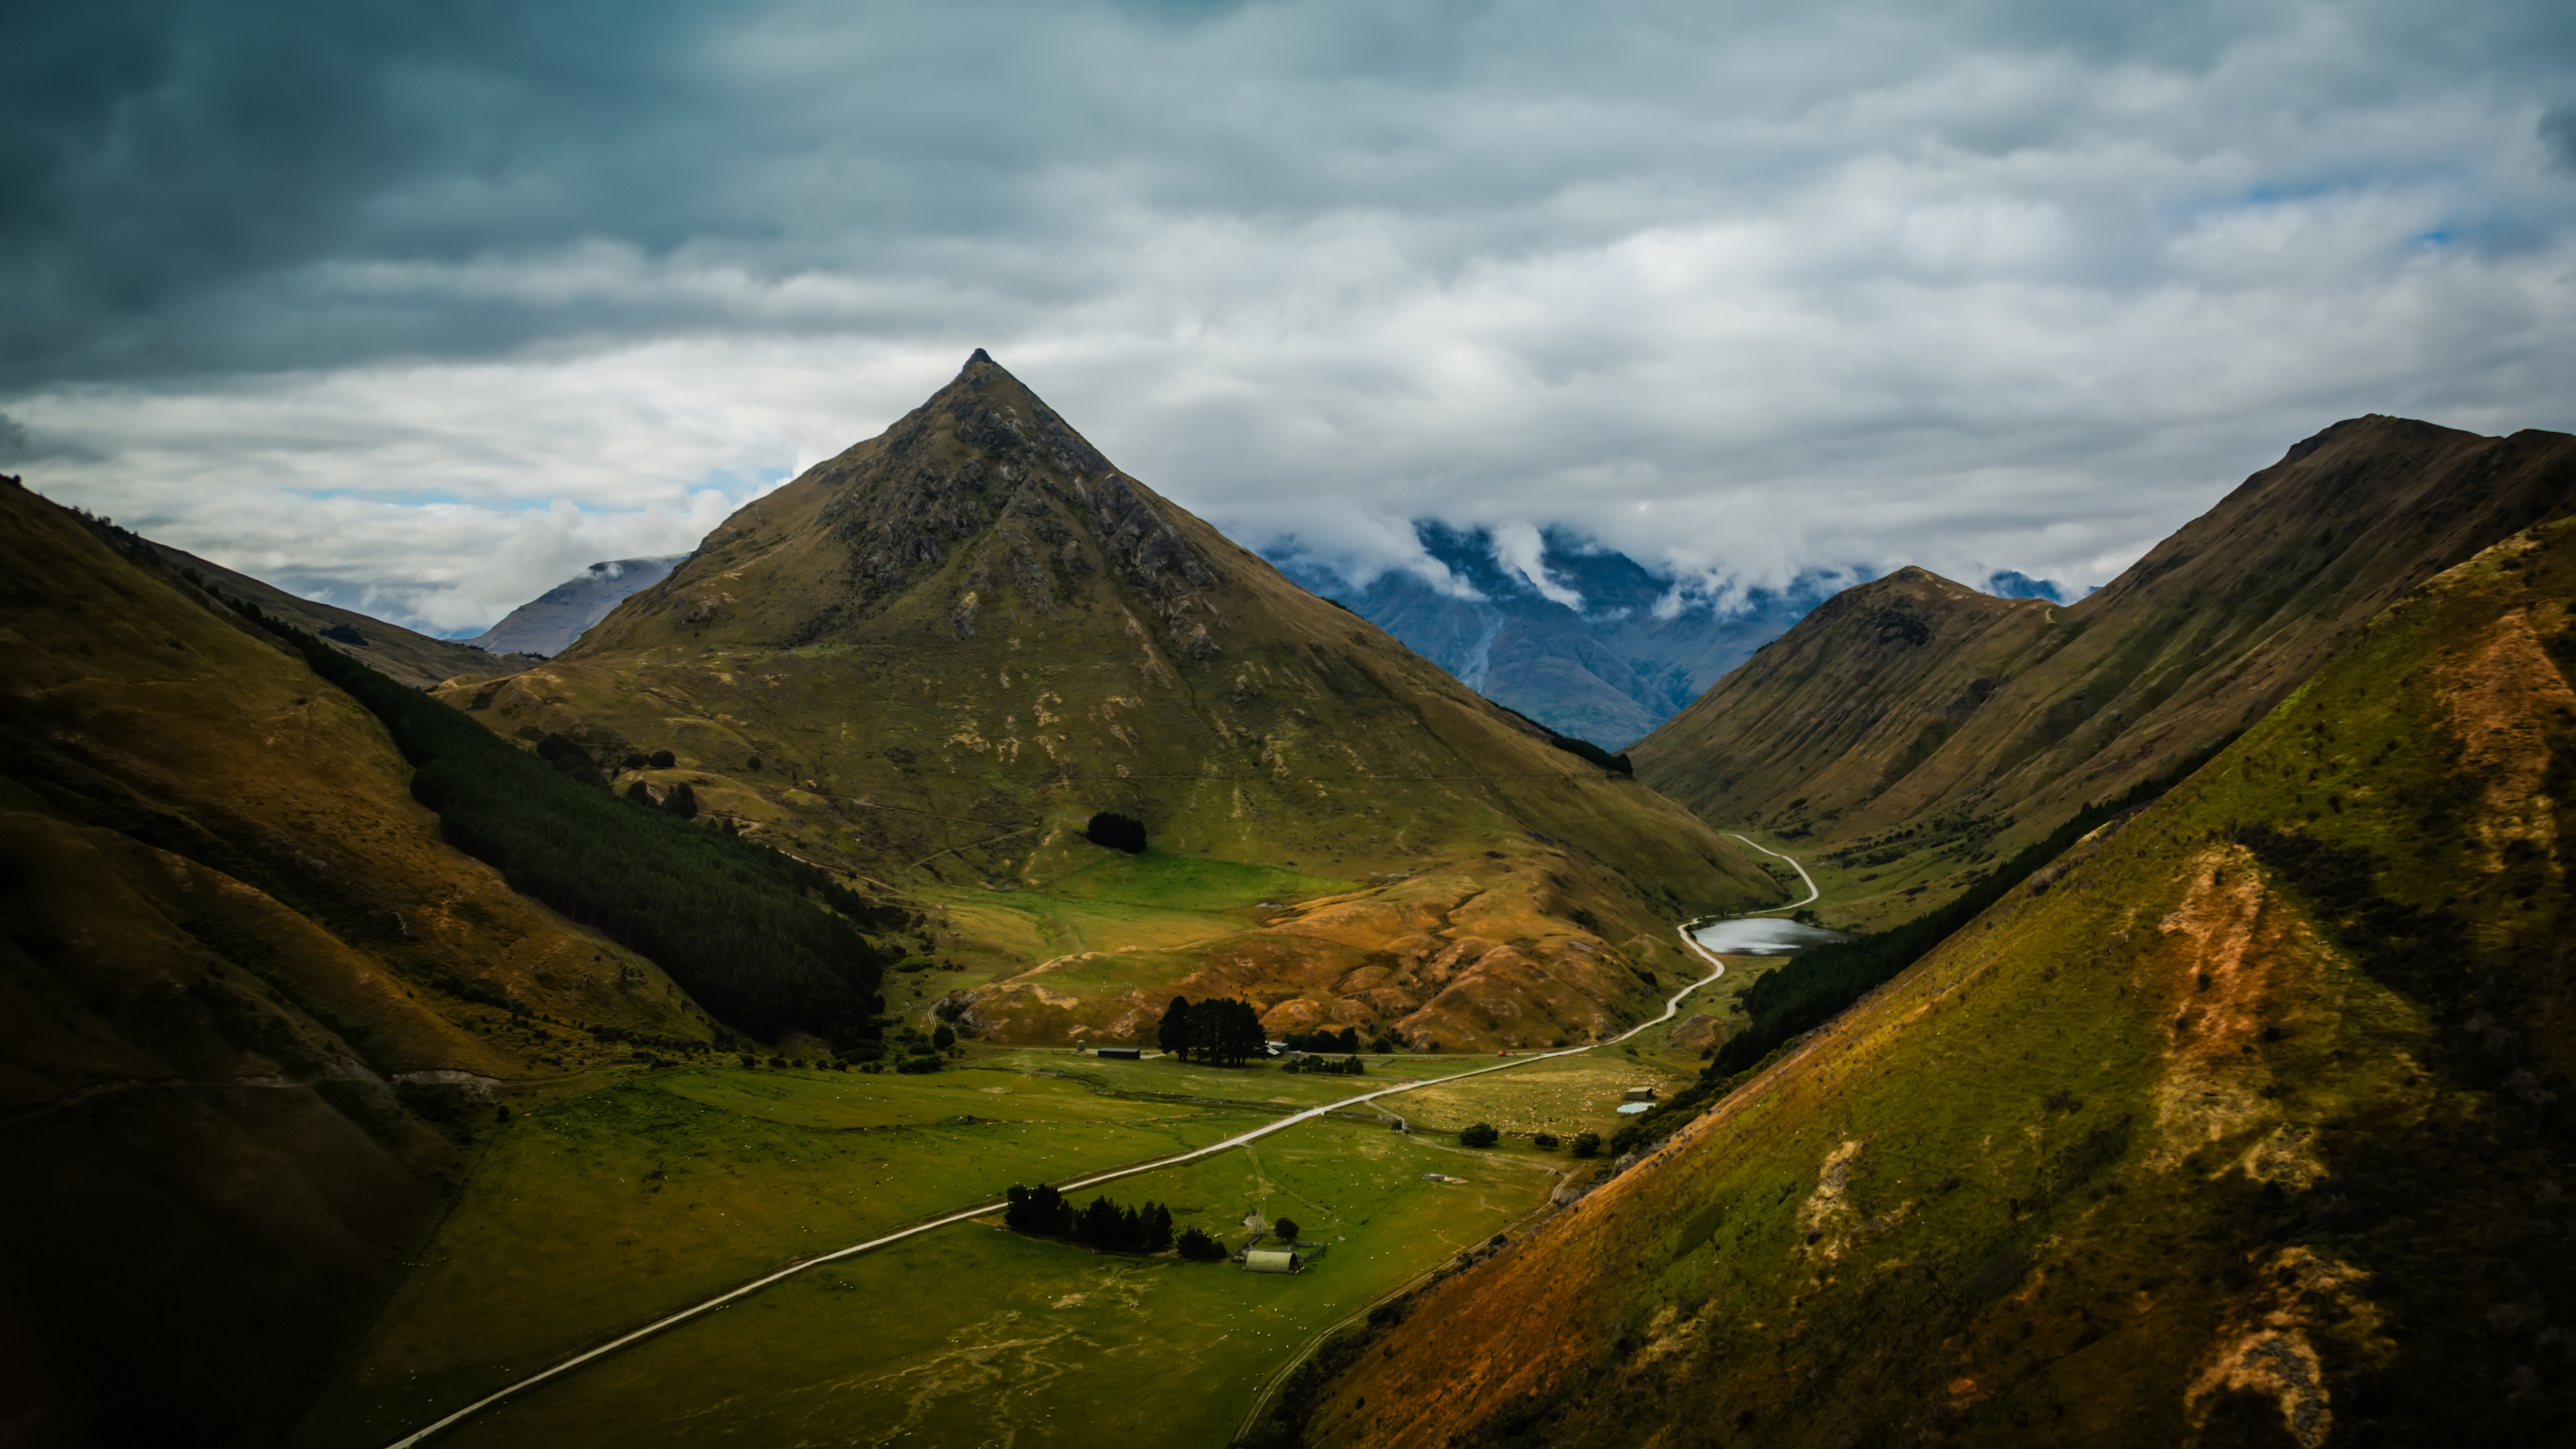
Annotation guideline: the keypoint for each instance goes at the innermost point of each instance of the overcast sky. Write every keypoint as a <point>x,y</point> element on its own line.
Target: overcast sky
<point>430,305</point>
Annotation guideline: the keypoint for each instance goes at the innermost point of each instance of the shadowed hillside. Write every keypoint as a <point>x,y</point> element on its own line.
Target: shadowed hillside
<point>396,652</point>
<point>255,1008</point>
<point>1913,726</point>
<point>931,659</point>
<point>2245,1122</point>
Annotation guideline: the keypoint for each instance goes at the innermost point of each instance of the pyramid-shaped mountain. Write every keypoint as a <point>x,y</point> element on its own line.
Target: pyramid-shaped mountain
<point>931,659</point>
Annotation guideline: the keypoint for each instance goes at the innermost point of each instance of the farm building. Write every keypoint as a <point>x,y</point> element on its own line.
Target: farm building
<point>1123,1054</point>
<point>1272,1260</point>
<point>1639,1094</point>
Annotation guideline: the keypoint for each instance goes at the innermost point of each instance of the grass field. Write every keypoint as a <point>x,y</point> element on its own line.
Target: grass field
<point>1092,899</point>
<point>611,1209</point>
<point>1185,882</point>
<point>590,1217</point>
<point>973,1336</point>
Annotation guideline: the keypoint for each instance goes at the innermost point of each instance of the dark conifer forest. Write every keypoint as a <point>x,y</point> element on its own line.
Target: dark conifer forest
<point>765,942</point>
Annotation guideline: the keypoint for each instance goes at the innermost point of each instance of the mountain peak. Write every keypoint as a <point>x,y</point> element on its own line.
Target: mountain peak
<point>980,355</point>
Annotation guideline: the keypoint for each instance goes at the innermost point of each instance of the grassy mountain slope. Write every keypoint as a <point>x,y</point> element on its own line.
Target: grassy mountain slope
<point>241,975</point>
<point>396,652</point>
<point>2245,1122</point>
<point>1912,722</point>
<point>932,658</point>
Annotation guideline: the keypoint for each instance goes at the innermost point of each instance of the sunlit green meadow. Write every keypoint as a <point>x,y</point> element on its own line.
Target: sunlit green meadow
<point>591,1217</point>
<point>973,1336</point>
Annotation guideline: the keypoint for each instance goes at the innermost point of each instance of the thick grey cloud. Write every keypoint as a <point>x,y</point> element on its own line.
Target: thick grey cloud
<point>431,305</point>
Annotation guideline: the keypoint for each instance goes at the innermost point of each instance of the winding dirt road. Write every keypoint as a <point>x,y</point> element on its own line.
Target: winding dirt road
<point>1672,1008</point>
<point>1813,890</point>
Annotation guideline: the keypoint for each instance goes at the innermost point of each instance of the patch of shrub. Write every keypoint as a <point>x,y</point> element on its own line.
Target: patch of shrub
<point>1482,1134</point>
<point>1043,1212</point>
<point>1116,831</point>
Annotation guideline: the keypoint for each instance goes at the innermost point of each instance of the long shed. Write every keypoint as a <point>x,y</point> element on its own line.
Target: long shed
<point>1123,1054</point>
<point>1272,1260</point>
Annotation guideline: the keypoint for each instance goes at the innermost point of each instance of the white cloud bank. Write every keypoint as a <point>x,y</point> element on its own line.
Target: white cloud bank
<point>1740,291</point>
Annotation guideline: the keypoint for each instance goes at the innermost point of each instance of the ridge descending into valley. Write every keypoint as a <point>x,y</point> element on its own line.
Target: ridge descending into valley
<point>394,651</point>
<point>255,1007</point>
<point>930,659</point>
<point>1912,728</point>
<point>2247,1121</point>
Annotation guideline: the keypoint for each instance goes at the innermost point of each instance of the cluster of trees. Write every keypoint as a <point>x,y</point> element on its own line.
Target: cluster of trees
<point>1345,1040</point>
<point>909,1051</point>
<point>1118,832</point>
<point>1346,1067</point>
<point>1219,1030</point>
<point>1042,1212</point>
<point>744,929</point>
<point>1819,984</point>
<point>679,800</point>
<point>1481,1134</point>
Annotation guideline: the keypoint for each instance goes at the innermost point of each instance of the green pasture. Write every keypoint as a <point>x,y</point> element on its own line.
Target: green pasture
<point>591,1217</point>
<point>1564,1096</point>
<point>1090,899</point>
<point>1265,1084</point>
<point>1186,882</point>
<point>973,1336</point>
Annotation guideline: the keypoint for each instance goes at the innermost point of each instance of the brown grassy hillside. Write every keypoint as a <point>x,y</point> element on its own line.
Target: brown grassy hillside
<point>930,659</point>
<point>1911,722</point>
<point>237,964</point>
<point>391,650</point>
<point>2246,1122</point>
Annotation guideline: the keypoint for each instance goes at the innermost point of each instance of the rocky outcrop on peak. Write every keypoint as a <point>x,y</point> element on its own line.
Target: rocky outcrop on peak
<point>935,655</point>
<point>987,472</point>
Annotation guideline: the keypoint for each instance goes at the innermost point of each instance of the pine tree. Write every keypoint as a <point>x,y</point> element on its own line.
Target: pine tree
<point>1174,1034</point>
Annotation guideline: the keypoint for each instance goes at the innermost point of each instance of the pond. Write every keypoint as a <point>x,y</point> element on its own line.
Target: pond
<point>1763,936</point>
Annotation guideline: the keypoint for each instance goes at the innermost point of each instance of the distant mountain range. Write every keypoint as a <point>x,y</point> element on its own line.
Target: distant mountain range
<point>1598,645</point>
<point>1625,655</point>
<point>548,623</point>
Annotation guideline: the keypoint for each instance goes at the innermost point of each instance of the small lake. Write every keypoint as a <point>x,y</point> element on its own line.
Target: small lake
<point>1763,936</point>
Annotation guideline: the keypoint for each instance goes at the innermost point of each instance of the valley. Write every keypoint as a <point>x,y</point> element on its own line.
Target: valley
<point>825,1156</point>
<point>1976,1019</point>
